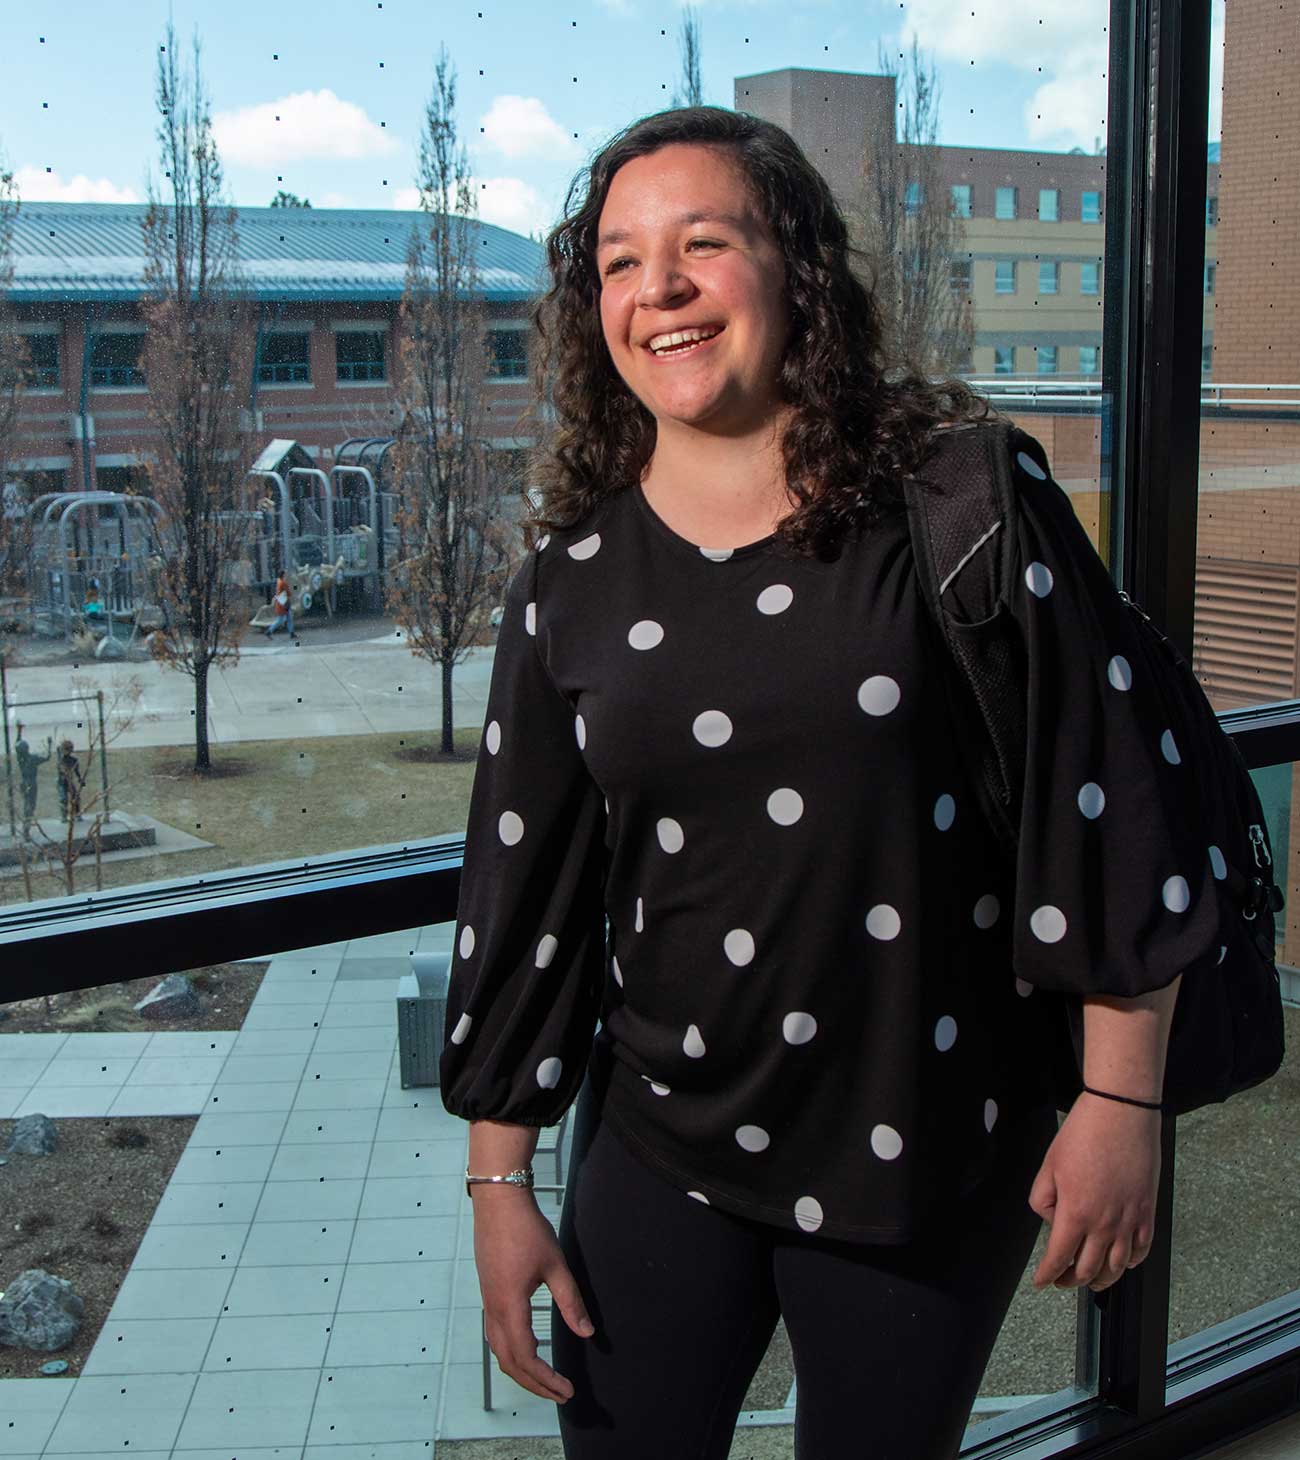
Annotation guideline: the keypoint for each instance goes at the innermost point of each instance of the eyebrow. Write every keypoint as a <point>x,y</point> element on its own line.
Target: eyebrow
<point>699,215</point>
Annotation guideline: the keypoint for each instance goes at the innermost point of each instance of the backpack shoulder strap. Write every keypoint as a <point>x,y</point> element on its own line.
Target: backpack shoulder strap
<point>961,508</point>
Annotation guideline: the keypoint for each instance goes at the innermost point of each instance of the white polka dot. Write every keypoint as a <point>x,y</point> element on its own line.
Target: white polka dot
<point>775,598</point>
<point>493,737</point>
<point>712,727</point>
<point>717,555</point>
<point>670,834</point>
<point>798,1027</point>
<point>466,941</point>
<point>879,695</point>
<point>1047,923</point>
<point>1168,749</point>
<point>693,1044</point>
<point>645,634</point>
<point>618,972</point>
<point>699,1196</point>
<point>546,947</point>
<point>738,945</point>
<point>883,922</point>
<point>1120,672</point>
<point>530,618</point>
<point>945,809</point>
<point>785,806</point>
<point>990,1114</point>
<point>640,919</point>
<point>587,547</point>
<point>461,1031</point>
<point>543,540</point>
<point>1038,579</point>
<point>753,1137</point>
<point>945,1033</point>
<point>1218,864</point>
<point>580,730</point>
<point>886,1142</point>
<point>1026,463</point>
<point>1092,800</point>
<point>1176,895</point>
<point>659,1089</point>
<point>1024,989</point>
<point>1223,952</point>
<point>510,827</point>
<point>808,1213</point>
<point>986,911</point>
<point>548,1073</point>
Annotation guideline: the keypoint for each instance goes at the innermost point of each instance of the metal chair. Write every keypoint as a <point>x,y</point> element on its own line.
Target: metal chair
<point>540,1306</point>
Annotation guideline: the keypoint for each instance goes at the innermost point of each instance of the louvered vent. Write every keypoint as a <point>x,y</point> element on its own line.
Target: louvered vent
<point>1245,630</point>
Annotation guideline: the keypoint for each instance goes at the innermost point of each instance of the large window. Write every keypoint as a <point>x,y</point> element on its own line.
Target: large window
<point>286,358</point>
<point>115,360</point>
<point>302,796</point>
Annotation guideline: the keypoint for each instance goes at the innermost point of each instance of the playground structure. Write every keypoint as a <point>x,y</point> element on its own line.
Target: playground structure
<point>90,564</point>
<point>331,533</point>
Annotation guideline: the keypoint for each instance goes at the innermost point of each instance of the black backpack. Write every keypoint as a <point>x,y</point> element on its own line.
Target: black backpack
<point>1227,1029</point>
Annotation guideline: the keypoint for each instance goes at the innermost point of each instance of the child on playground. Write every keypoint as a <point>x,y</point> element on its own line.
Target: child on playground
<point>283,606</point>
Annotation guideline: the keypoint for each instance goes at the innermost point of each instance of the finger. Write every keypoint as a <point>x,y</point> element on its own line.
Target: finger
<point>1090,1264</point>
<point>1062,1248</point>
<point>518,1354</point>
<point>568,1299</point>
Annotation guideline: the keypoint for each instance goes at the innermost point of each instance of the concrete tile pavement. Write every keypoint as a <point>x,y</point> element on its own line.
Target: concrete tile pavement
<point>307,1280</point>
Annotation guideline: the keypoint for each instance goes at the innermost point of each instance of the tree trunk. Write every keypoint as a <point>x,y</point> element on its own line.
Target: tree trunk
<point>448,742</point>
<point>202,754</point>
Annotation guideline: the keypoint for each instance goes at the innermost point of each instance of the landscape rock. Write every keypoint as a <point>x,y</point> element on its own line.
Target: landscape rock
<point>174,998</point>
<point>33,1135</point>
<point>110,648</point>
<point>40,1312</point>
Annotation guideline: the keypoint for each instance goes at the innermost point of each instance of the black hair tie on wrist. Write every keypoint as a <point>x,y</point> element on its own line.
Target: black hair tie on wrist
<point>1127,1099</point>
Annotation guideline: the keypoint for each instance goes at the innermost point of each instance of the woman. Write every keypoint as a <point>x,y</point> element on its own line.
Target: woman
<point>717,806</point>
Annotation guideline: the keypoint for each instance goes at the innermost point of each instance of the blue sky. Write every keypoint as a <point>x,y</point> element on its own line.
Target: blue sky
<point>540,85</point>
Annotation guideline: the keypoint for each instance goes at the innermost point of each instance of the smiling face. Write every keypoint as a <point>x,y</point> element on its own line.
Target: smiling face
<point>665,270</point>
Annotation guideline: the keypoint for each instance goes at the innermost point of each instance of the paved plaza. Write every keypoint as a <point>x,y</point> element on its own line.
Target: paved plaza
<point>307,1285</point>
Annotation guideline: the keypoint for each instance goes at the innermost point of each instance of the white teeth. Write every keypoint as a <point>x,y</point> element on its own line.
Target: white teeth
<point>664,342</point>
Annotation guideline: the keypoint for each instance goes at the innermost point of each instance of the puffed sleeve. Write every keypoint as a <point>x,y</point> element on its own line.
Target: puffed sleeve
<point>527,964</point>
<point>1115,890</point>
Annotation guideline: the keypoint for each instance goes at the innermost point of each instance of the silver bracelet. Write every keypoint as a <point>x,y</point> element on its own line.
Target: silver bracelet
<point>523,1177</point>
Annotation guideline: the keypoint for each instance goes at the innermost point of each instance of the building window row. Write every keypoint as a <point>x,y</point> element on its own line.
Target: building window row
<point>115,361</point>
<point>1046,359</point>
<point>1049,276</point>
<point>1006,203</point>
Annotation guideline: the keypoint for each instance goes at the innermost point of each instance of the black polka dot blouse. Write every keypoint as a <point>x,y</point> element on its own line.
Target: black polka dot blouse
<point>720,840</point>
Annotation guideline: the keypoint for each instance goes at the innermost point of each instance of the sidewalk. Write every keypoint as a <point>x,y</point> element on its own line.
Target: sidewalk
<point>307,1287</point>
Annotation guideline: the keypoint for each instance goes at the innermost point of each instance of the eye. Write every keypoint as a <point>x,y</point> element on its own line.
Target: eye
<point>616,266</point>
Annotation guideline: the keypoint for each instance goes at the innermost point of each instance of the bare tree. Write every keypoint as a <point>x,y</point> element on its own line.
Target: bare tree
<point>692,92</point>
<point>453,556</point>
<point>15,522</point>
<point>197,359</point>
<point>911,232</point>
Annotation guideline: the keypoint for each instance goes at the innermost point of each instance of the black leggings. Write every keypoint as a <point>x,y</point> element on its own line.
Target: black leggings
<point>890,1343</point>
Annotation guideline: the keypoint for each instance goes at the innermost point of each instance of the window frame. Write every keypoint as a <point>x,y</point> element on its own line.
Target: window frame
<point>1090,213</point>
<point>1054,266</point>
<point>965,202</point>
<point>999,193</point>
<point>998,266</point>
<point>1055,215</point>
<point>1201,1393</point>
<point>1084,266</point>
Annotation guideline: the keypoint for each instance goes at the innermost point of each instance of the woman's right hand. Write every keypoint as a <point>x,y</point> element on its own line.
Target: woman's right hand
<point>516,1250</point>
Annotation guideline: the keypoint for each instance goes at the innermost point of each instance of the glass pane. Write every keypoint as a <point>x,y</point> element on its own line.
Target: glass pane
<point>1234,1247</point>
<point>1248,553</point>
<point>139,744</point>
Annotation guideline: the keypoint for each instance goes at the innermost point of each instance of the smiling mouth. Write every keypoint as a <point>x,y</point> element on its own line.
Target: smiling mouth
<point>679,352</point>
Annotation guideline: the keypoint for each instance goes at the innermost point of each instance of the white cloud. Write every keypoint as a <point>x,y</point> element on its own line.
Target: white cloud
<point>406,198</point>
<point>35,185</point>
<point>1065,44</point>
<point>304,124</point>
<point>334,200</point>
<point>520,126</point>
<point>509,202</point>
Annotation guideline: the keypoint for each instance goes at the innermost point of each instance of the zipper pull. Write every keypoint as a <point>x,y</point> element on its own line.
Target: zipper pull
<point>1257,841</point>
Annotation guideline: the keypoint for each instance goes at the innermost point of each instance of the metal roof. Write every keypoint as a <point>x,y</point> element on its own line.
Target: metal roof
<point>66,251</point>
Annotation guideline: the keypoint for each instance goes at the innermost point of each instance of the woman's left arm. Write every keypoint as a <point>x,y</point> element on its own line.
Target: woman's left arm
<point>1098,1182</point>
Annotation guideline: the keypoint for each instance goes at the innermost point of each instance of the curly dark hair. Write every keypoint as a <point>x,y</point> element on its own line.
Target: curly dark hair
<point>859,422</point>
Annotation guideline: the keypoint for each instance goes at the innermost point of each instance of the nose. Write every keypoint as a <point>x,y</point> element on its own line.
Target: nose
<point>661,282</point>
